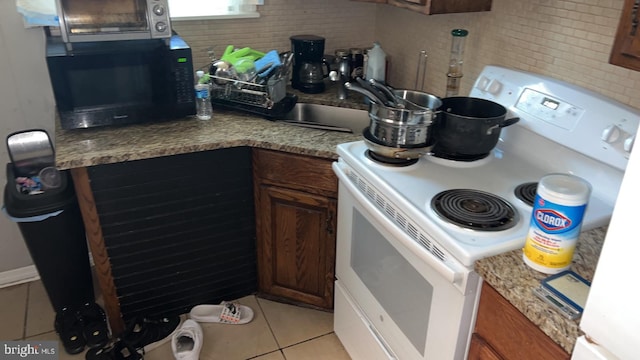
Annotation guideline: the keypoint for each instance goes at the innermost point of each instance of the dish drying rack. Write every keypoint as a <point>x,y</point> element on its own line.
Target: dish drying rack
<point>270,99</point>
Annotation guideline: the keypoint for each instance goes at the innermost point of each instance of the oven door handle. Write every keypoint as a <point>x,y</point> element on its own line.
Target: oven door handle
<point>383,345</point>
<point>452,272</point>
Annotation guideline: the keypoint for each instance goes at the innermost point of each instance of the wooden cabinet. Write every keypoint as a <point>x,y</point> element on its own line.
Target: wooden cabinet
<point>502,332</point>
<point>439,6</point>
<point>626,47</point>
<point>479,349</point>
<point>295,201</point>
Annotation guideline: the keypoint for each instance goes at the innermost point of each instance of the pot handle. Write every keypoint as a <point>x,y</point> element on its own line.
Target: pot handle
<point>509,122</point>
<point>357,88</point>
<point>504,123</point>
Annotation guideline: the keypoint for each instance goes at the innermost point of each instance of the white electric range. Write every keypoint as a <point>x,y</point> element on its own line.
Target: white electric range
<point>392,241</point>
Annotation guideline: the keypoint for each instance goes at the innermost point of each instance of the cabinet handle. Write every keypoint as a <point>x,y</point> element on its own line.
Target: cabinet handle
<point>634,17</point>
<point>330,220</point>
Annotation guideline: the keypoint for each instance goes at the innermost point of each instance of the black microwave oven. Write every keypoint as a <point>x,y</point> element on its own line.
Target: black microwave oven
<point>121,82</point>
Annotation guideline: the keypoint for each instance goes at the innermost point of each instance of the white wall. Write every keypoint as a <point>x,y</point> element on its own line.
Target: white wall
<point>26,102</point>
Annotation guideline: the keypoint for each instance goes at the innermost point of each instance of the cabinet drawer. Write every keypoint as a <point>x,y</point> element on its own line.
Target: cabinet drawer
<point>295,171</point>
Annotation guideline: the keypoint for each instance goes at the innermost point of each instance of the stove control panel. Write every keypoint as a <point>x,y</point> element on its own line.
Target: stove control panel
<point>550,109</point>
<point>577,118</point>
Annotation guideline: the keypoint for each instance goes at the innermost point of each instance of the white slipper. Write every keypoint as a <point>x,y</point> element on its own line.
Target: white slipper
<point>186,342</point>
<point>225,313</point>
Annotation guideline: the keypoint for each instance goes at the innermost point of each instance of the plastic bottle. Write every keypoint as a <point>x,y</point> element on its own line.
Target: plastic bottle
<point>204,109</point>
<point>376,63</point>
<point>556,219</point>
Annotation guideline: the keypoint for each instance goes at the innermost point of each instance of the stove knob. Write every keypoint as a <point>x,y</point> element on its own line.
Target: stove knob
<point>494,87</point>
<point>161,26</point>
<point>628,143</point>
<point>610,134</point>
<point>158,10</point>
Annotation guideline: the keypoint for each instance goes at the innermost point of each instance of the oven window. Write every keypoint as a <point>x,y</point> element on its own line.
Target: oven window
<point>399,288</point>
<point>122,85</point>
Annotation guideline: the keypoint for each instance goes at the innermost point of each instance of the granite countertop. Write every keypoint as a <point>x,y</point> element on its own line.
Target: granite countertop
<point>507,273</point>
<point>513,279</point>
<point>96,146</point>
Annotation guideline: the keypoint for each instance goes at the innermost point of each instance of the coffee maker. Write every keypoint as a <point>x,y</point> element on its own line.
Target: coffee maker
<point>308,71</point>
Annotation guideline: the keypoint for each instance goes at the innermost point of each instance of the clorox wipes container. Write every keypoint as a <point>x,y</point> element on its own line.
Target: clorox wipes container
<point>556,219</point>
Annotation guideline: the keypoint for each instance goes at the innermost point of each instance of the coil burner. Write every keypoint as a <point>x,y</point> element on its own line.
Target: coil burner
<point>474,209</point>
<point>526,192</point>
<point>399,162</point>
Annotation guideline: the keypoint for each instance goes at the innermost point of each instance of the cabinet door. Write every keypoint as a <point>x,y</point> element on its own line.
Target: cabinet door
<point>507,331</point>
<point>296,245</point>
<point>626,47</point>
<point>479,349</point>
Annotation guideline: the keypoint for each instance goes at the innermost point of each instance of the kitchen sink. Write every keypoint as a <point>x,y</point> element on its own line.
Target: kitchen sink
<point>327,118</point>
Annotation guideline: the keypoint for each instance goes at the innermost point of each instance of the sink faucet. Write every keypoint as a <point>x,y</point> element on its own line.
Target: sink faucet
<point>341,79</point>
<point>343,74</point>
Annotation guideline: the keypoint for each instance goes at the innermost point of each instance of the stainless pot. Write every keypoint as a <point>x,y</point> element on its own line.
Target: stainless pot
<point>402,126</point>
<point>398,134</point>
<point>408,153</point>
<point>420,99</point>
<point>469,127</point>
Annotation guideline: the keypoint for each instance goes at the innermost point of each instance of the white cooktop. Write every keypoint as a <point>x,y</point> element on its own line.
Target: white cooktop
<point>526,152</point>
<point>411,189</point>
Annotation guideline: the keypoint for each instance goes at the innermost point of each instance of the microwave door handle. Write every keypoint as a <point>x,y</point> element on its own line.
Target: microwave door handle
<point>446,269</point>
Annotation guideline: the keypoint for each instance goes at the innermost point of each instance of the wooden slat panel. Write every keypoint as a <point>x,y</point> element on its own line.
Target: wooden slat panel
<point>178,230</point>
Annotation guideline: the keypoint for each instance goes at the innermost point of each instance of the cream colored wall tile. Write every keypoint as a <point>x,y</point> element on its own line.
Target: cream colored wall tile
<point>343,23</point>
<point>40,313</point>
<point>564,39</point>
<point>327,347</point>
<point>13,304</point>
<point>293,324</point>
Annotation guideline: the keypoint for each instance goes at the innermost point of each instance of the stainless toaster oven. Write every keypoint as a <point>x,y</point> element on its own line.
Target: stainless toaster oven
<point>99,20</point>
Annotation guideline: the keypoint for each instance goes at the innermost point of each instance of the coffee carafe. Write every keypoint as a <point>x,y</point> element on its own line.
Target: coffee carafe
<point>309,68</point>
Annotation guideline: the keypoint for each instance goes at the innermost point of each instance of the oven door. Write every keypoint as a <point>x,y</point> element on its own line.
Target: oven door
<point>392,292</point>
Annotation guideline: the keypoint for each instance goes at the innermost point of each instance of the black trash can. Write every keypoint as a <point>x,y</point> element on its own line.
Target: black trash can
<point>52,228</point>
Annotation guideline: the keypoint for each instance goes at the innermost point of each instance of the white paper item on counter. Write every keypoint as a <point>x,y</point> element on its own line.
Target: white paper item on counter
<point>38,12</point>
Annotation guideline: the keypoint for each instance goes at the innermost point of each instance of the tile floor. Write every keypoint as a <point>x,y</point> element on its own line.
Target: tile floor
<point>277,332</point>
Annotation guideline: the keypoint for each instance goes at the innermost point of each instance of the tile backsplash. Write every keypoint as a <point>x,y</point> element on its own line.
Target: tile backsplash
<point>342,23</point>
<point>568,40</point>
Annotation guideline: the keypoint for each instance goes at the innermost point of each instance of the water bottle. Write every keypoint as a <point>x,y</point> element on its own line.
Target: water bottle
<point>376,63</point>
<point>203,96</point>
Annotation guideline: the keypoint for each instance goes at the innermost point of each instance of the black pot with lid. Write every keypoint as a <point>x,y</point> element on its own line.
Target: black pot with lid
<point>468,128</point>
